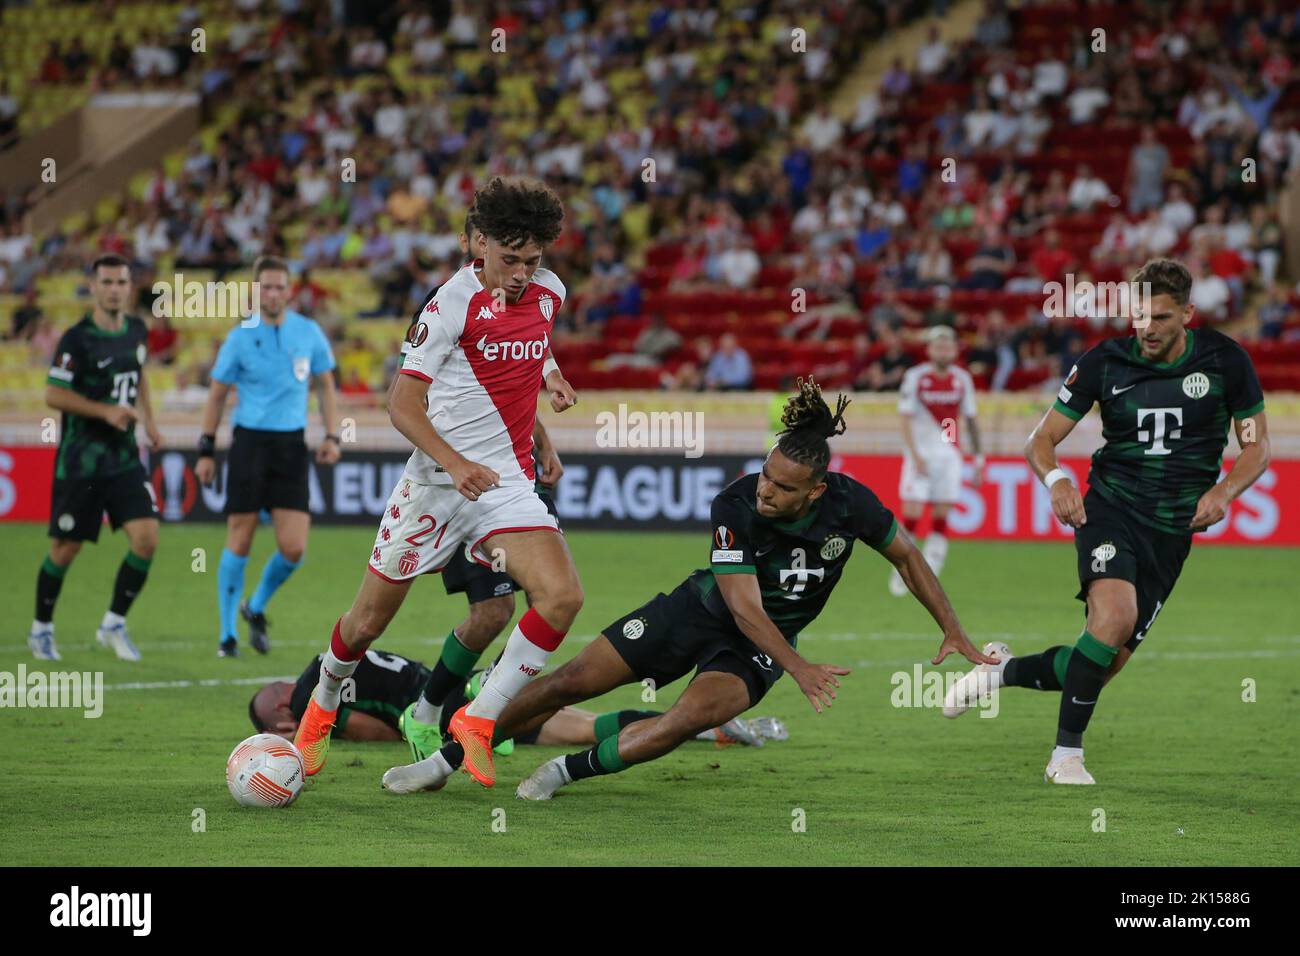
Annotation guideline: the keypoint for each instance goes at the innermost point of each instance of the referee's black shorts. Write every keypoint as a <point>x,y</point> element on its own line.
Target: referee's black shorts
<point>266,469</point>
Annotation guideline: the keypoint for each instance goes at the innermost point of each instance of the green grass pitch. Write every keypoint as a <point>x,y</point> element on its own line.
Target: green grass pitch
<point>1188,773</point>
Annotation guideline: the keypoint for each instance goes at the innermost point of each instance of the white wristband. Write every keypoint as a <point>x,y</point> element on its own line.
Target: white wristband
<point>1053,476</point>
<point>550,366</point>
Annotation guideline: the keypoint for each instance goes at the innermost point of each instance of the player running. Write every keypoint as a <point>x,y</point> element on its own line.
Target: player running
<point>1167,396</point>
<point>466,398</point>
<point>386,685</point>
<point>931,399</point>
<point>490,593</point>
<point>269,358</point>
<point>780,542</point>
<point>98,382</point>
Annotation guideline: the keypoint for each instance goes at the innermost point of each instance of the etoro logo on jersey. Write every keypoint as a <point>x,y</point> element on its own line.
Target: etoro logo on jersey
<point>513,350</point>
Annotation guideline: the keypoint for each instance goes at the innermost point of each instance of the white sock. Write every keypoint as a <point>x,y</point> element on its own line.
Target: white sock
<point>112,620</point>
<point>333,672</point>
<point>436,767</point>
<point>42,625</point>
<point>936,552</point>
<point>564,768</point>
<point>425,712</point>
<point>1060,753</point>
<point>521,661</point>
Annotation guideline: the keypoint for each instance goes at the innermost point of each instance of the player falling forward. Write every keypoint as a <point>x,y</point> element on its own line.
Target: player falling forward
<point>1167,396</point>
<point>466,398</point>
<point>98,382</point>
<point>931,399</point>
<point>385,686</point>
<point>780,542</point>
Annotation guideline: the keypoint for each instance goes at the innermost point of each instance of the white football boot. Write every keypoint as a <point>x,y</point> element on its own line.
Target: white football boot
<point>114,636</point>
<point>1068,769</point>
<point>976,686</point>
<point>40,640</point>
<point>897,586</point>
<point>546,779</point>
<point>935,552</point>
<point>414,777</point>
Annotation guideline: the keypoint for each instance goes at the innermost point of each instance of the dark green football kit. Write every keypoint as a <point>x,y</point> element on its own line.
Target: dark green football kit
<point>1165,426</point>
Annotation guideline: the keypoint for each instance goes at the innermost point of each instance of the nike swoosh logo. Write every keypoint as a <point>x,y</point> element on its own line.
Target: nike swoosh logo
<point>1117,391</point>
<point>762,551</point>
<point>1082,702</point>
<point>103,363</point>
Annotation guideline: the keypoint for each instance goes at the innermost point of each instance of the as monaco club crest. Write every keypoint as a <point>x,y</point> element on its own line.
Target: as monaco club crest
<point>547,305</point>
<point>408,562</point>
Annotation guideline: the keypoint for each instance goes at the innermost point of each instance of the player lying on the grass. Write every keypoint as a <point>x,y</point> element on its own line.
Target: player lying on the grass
<point>932,398</point>
<point>98,382</point>
<point>466,398</point>
<point>780,542</point>
<point>386,687</point>
<point>1167,396</point>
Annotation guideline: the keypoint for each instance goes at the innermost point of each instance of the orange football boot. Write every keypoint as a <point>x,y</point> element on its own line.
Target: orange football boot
<point>474,734</point>
<point>313,737</point>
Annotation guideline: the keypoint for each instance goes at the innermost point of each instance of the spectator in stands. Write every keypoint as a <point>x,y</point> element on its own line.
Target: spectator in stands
<point>1087,189</point>
<point>932,265</point>
<point>1154,237</point>
<point>42,341</point>
<point>993,260</point>
<point>1274,312</point>
<point>737,265</point>
<point>932,58</point>
<point>1088,98</point>
<point>8,111</point>
<point>1210,293</point>
<point>163,340</point>
<point>1028,217</point>
<point>1050,260</point>
<point>897,81</point>
<point>994,28</point>
<point>655,343</point>
<point>822,129</point>
<point>1177,212</point>
<point>689,376</point>
<point>1146,172</point>
<point>1064,344</point>
<point>1266,242</point>
<point>890,312</point>
<point>26,317</point>
<point>885,373</point>
<point>729,369</point>
<point>992,352</point>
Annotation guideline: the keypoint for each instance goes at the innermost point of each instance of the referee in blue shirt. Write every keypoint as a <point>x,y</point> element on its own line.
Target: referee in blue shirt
<point>270,359</point>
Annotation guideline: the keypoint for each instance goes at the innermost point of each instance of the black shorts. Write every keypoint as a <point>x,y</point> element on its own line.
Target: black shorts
<point>672,633</point>
<point>1115,545</point>
<point>478,582</point>
<point>77,505</point>
<point>266,470</point>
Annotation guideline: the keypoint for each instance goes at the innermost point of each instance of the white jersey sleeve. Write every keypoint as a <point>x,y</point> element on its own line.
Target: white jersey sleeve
<point>432,339</point>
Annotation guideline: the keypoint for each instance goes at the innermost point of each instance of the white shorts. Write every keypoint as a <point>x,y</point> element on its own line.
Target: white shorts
<point>942,484</point>
<point>424,525</point>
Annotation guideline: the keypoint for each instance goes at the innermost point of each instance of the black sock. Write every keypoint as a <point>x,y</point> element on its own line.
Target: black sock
<point>1084,677</point>
<point>1044,671</point>
<point>600,759</point>
<point>131,575</point>
<point>454,754</point>
<point>49,581</point>
<point>454,665</point>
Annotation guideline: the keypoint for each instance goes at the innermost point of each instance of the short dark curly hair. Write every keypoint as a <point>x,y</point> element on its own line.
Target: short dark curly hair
<point>1167,277</point>
<point>516,211</point>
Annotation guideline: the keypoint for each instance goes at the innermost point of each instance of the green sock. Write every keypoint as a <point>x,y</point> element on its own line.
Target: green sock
<point>609,724</point>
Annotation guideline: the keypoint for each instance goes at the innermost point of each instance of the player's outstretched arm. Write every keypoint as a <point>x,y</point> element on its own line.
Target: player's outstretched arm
<point>1040,452</point>
<point>1252,436</point>
<point>744,600</point>
<point>920,580</point>
<point>329,451</point>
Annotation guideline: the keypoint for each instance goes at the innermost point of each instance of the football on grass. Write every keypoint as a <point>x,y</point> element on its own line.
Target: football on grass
<point>265,771</point>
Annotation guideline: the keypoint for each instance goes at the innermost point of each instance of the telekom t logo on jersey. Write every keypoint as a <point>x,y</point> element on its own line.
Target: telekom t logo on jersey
<point>1159,414</point>
<point>513,350</point>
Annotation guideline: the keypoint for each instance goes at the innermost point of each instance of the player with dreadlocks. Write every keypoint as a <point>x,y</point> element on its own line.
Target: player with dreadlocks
<point>779,544</point>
